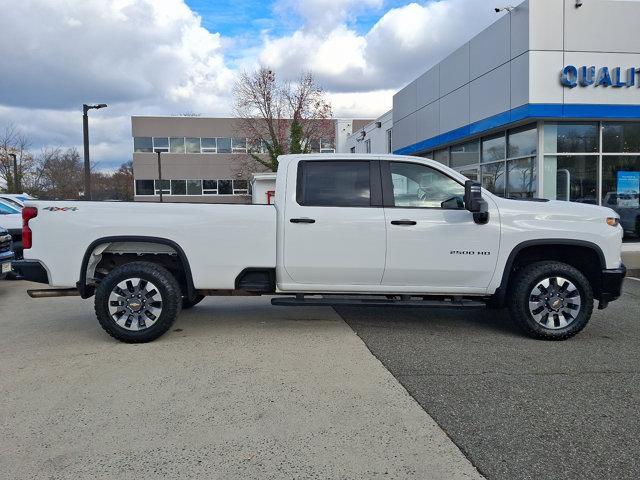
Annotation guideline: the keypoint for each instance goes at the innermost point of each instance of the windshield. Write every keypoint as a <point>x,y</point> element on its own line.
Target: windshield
<point>6,209</point>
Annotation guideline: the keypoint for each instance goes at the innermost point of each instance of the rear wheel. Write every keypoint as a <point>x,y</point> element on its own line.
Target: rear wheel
<point>551,300</point>
<point>138,302</point>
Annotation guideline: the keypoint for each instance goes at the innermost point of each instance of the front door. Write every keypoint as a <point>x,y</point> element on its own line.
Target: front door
<point>432,241</point>
<point>334,230</point>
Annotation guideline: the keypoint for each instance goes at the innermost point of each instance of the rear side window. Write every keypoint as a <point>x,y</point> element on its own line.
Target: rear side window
<point>334,184</point>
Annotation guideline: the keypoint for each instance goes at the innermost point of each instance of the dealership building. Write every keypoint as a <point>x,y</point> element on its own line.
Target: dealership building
<point>545,102</point>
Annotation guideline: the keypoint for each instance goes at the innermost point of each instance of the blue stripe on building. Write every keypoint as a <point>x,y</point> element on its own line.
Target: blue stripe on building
<point>530,111</point>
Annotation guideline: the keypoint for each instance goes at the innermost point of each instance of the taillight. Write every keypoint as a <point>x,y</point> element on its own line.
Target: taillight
<point>27,214</point>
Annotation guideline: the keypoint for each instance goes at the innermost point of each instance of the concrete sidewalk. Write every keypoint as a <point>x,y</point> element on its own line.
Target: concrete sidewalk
<point>239,389</point>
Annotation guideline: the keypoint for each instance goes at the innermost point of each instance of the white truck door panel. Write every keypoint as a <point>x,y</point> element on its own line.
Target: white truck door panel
<point>332,234</point>
<point>444,249</point>
<point>441,249</point>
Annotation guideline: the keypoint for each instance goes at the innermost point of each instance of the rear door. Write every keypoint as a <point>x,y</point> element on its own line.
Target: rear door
<point>432,241</point>
<point>334,230</point>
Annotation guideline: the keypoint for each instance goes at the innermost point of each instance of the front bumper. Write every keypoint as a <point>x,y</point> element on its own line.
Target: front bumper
<point>31,271</point>
<point>611,285</point>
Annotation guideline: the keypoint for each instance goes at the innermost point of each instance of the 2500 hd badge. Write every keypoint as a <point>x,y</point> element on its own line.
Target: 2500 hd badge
<point>468,252</point>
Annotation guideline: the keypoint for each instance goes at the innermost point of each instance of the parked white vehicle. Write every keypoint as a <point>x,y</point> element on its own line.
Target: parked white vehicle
<point>10,216</point>
<point>367,230</point>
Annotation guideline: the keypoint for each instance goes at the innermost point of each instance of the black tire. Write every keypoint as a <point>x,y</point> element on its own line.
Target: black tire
<point>166,287</point>
<point>524,288</point>
<point>187,304</point>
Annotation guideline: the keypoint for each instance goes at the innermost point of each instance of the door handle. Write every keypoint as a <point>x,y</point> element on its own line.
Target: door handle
<point>403,222</point>
<point>302,220</point>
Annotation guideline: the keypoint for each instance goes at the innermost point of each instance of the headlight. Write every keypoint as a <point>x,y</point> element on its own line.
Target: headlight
<point>613,221</point>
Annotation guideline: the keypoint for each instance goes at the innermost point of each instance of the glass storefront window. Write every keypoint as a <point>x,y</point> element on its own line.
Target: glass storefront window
<point>621,137</point>
<point>493,177</point>
<point>470,173</point>
<point>465,153</point>
<point>521,178</point>
<point>493,148</point>
<point>621,191</point>
<point>572,178</point>
<point>571,138</point>
<point>441,156</point>
<point>522,141</point>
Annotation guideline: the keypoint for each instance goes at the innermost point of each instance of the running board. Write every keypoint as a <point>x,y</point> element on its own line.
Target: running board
<point>300,300</point>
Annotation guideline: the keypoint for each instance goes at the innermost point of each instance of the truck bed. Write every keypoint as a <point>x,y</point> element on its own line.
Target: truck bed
<point>219,240</point>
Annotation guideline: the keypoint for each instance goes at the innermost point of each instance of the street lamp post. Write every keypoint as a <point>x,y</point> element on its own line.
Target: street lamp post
<point>16,182</point>
<point>85,134</point>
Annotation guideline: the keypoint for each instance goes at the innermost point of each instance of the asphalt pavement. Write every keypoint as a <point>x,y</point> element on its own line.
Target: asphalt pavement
<point>521,408</point>
<point>238,389</point>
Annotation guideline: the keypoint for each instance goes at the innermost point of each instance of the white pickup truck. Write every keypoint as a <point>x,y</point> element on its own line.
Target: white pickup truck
<point>345,229</point>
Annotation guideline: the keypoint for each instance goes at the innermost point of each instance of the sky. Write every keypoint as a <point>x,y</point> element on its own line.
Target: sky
<point>167,57</point>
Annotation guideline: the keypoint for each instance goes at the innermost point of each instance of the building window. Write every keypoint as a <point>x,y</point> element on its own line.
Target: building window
<point>521,178</point>
<point>367,145</point>
<point>178,187</point>
<point>621,137</point>
<point>144,187</point>
<point>522,141</point>
<point>493,177</point>
<point>442,156</point>
<point>465,154</point>
<point>494,148</point>
<point>572,178</point>
<point>166,187</point>
<point>194,187</point>
<point>224,145</point>
<point>621,191</point>
<point>314,145</point>
<point>258,146</point>
<point>239,145</point>
<point>470,173</point>
<point>389,142</point>
<point>208,145</point>
<point>176,145</point>
<point>160,144</point>
<point>192,145</point>
<point>327,146</point>
<point>143,144</point>
<point>209,187</point>
<point>578,137</point>
<point>225,187</point>
<point>240,187</point>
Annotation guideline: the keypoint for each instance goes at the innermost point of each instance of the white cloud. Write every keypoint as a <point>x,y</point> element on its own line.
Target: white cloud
<point>405,42</point>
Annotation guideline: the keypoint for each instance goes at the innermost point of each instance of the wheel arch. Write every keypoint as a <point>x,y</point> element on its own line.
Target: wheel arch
<point>87,290</point>
<point>552,249</point>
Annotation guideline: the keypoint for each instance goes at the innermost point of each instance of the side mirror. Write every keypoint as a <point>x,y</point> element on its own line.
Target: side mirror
<point>474,202</point>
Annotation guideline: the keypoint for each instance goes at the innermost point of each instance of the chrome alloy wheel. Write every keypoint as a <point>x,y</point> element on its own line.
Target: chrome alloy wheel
<point>554,302</point>
<point>135,304</point>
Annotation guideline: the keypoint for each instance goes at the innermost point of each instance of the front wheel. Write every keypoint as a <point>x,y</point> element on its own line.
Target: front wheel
<point>138,302</point>
<point>551,300</point>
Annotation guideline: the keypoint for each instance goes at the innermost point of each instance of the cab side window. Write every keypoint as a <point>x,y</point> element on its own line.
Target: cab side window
<point>334,183</point>
<point>416,185</point>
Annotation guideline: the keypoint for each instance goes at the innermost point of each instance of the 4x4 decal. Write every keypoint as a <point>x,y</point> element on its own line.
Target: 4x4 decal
<point>61,209</point>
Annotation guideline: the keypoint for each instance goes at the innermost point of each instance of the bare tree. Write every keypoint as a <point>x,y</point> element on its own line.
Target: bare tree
<point>60,174</point>
<point>271,112</point>
<point>14,142</point>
